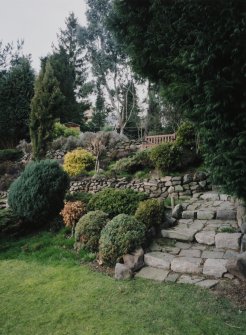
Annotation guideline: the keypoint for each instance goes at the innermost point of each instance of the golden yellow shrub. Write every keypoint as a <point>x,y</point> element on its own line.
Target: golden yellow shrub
<point>78,161</point>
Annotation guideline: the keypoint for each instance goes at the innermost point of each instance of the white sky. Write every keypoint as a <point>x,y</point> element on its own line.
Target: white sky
<point>37,22</point>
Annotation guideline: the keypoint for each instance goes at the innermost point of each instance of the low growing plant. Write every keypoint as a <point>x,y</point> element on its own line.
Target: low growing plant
<point>116,201</point>
<point>78,162</point>
<point>88,230</point>
<point>151,212</point>
<point>123,234</point>
<point>72,212</point>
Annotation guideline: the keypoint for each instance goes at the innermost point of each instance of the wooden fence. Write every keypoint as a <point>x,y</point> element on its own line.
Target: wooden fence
<point>151,141</point>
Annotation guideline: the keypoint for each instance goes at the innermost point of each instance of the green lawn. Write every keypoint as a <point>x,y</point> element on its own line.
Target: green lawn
<point>44,290</point>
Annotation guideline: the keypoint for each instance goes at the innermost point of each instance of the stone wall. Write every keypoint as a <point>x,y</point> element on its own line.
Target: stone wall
<point>178,187</point>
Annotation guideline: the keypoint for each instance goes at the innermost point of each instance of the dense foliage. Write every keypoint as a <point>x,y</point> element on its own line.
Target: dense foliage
<point>10,155</point>
<point>78,161</point>
<point>72,212</point>
<point>140,161</point>
<point>121,235</point>
<point>61,130</point>
<point>196,51</point>
<point>37,195</point>
<point>151,212</point>
<point>16,92</point>
<point>44,110</point>
<point>116,201</point>
<point>88,230</point>
<point>167,157</point>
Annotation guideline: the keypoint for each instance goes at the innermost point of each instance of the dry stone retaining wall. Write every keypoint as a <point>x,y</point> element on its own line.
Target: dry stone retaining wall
<point>178,186</point>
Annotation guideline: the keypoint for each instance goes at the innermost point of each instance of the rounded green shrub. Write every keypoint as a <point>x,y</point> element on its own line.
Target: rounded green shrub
<point>167,157</point>
<point>116,201</point>
<point>141,160</point>
<point>120,236</point>
<point>78,161</point>
<point>88,230</point>
<point>61,130</point>
<point>37,195</point>
<point>185,135</point>
<point>151,212</point>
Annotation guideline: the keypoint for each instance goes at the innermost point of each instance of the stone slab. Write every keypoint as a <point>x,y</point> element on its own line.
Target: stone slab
<point>182,245</point>
<point>227,240</point>
<point>230,254</point>
<point>212,254</point>
<point>190,253</point>
<point>188,215</point>
<point>152,273</point>
<point>207,283</point>
<point>158,260</point>
<point>186,265</point>
<point>172,277</point>
<point>205,237</point>
<point>215,267</point>
<point>210,196</point>
<point>186,279</point>
<point>226,214</point>
<point>205,215</point>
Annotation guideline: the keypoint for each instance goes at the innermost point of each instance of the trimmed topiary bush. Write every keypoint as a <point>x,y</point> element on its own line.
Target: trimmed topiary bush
<point>151,212</point>
<point>166,157</point>
<point>116,201</point>
<point>88,230</point>
<point>121,235</point>
<point>37,195</point>
<point>72,212</point>
<point>78,161</point>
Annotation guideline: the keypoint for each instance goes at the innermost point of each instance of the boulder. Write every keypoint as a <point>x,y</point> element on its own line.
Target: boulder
<point>237,266</point>
<point>122,272</point>
<point>134,261</point>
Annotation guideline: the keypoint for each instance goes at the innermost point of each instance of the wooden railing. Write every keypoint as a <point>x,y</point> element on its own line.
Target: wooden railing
<point>151,141</point>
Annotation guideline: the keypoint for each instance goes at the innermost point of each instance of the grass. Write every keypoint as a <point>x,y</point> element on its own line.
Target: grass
<point>44,289</point>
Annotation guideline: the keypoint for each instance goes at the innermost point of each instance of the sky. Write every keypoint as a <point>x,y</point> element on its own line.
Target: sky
<point>37,22</point>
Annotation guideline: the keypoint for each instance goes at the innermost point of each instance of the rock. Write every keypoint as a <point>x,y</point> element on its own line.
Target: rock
<point>134,261</point>
<point>205,215</point>
<point>199,176</point>
<point>203,183</point>
<point>190,253</point>
<point>226,214</point>
<point>243,243</point>
<point>237,266</point>
<point>224,197</point>
<point>182,245</point>
<point>171,189</point>
<point>205,237</point>
<point>152,273</point>
<point>183,232</point>
<point>188,215</point>
<point>186,279</point>
<point>178,188</point>
<point>172,277</point>
<point>187,178</point>
<point>215,267</point>
<point>122,272</point>
<point>212,254</point>
<point>158,260</point>
<point>186,264</point>
<point>243,228</point>
<point>227,240</point>
<point>177,211</point>
<point>230,254</point>
<point>210,196</point>
<point>207,283</point>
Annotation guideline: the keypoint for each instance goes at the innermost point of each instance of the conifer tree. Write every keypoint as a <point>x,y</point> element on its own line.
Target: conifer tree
<point>44,110</point>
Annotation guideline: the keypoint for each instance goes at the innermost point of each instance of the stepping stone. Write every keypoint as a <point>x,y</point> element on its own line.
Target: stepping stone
<point>152,273</point>
<point>227,240</point>
<point>226,214</point>
<point>210,196</point>
<point>158,260</point>
<point>212,254</point>
<point>186,279</point>
<point>186,264</point>
<point>188,215</point>
<point>190,253</point>
<point>205,237</point>
<point>205,215</point>
<point>207,283</point>
<point>183,232</point>
<point>172,277</point>
<point>215,267</point>
<point>230,254</point>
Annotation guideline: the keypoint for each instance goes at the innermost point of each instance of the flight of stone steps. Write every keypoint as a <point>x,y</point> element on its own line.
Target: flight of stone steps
<point>197,249</point>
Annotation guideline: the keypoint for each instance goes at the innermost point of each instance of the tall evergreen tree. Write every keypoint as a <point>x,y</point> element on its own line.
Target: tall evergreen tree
<point>16,92</point>
<point>45,107</point>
